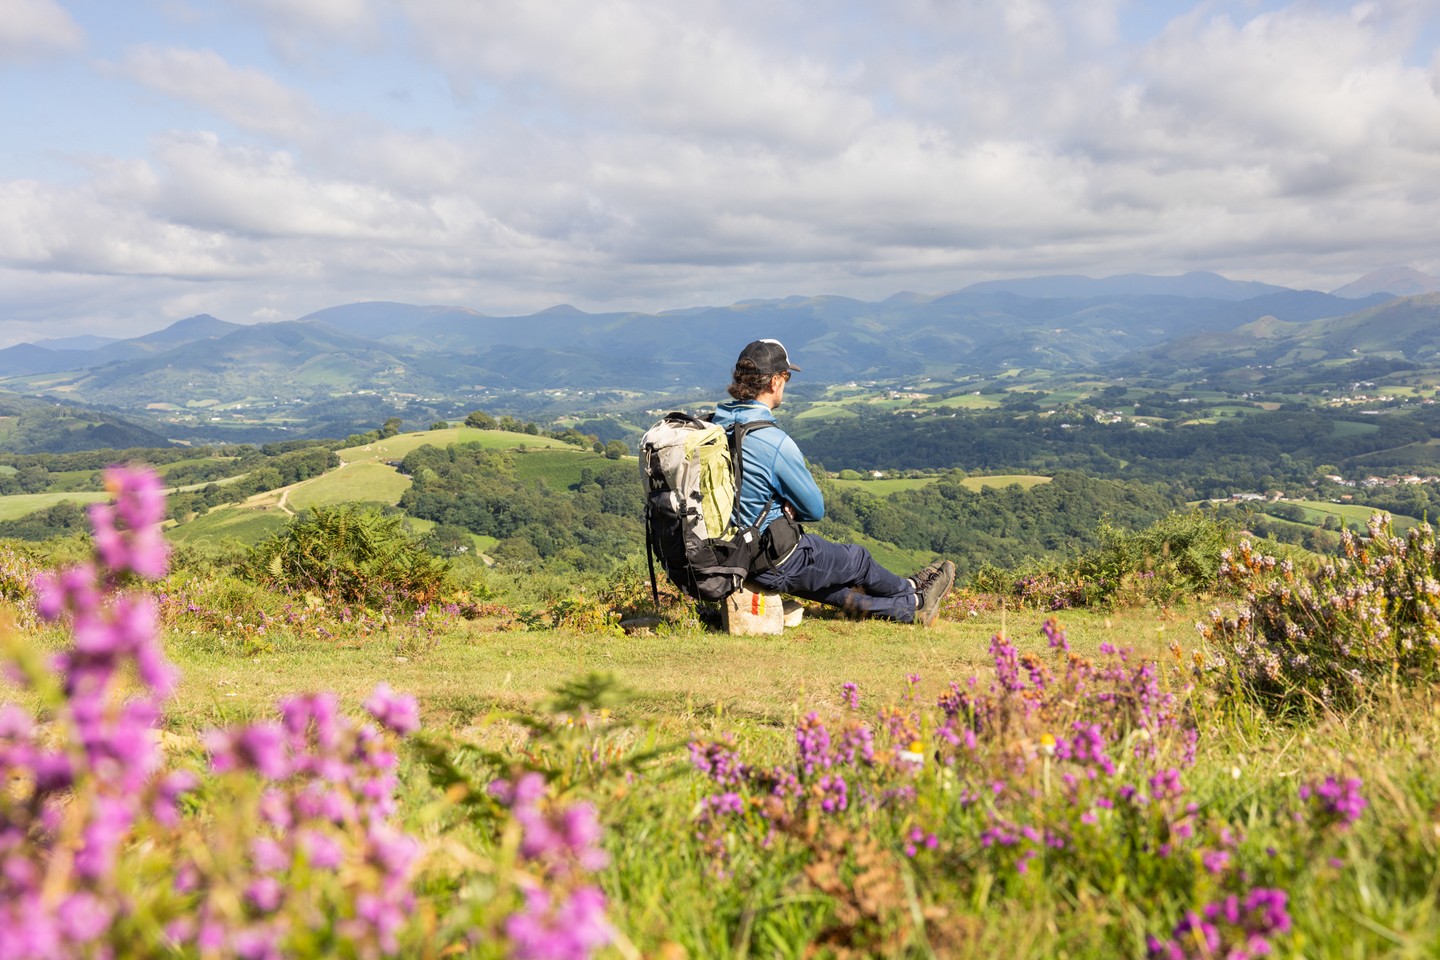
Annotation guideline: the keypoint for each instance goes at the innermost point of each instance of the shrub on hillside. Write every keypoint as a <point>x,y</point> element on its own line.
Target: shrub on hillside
<point>1172,559</point>
<point>346,554</point>
<point>1368,615</point>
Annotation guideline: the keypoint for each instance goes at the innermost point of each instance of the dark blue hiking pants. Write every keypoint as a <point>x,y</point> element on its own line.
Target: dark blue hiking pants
<point>843,575</point>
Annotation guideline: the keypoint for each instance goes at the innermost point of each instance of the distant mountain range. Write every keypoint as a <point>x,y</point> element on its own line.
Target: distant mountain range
<point>1058,323</point>
<point>1402,331</point>
<point>1399,281</point>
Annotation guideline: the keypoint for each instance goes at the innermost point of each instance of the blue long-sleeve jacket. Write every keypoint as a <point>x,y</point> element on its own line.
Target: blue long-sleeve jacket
<point>774,467</point>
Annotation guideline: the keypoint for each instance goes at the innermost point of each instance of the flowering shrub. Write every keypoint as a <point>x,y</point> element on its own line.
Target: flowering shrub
<point>1296,639</point>
<point>1173,559</point>
<point>243,618</point>
<point>1232,928</point>
<point>85,777</point>
<point>284,844</point>
<point>1334,801</point>
<point>1074,773</point>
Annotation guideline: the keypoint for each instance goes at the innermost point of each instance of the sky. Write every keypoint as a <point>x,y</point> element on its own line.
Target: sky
<point>261,159</point>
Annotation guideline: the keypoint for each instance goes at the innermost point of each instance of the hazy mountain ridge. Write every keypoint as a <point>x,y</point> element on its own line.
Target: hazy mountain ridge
<point>1399,281</point>
<point>1402,330</point>
<point>1062,324</point>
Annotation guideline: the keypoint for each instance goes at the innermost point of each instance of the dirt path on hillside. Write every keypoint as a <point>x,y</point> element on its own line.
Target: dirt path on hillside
<point>283,504</point>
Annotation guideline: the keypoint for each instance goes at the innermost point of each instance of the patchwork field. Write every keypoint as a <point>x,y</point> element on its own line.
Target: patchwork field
<point>884,486</point>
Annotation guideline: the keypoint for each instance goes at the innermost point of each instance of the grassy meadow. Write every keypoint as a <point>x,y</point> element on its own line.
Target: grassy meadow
<point>884,486</point>
<point>942,868</point>
<point>19,504</point>
<point>679,679</point>
<point>1220,756</point>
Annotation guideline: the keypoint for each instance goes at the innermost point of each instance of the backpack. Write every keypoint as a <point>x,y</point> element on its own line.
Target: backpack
<point>692,469</point>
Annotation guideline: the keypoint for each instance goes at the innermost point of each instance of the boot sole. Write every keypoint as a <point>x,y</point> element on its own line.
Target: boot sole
<point>929,612</point>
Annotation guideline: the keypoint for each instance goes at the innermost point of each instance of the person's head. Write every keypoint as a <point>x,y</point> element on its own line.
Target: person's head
<point>761,372</point>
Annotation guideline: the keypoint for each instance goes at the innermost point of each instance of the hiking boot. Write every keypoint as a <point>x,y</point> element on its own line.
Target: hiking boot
<point>934,581</point>
<point>926,575</point>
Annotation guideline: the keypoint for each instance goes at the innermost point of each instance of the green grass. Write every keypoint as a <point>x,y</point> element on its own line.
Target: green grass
<point>396,447</point>
<point>968,401</point>
<point>560,468</point>
<point>1353,515</point>
<point>764,679</point>
<point>359,480</point>
<point>1364,892</point>
<point>19,504</point>
<point>246,525</point>
<point>884,486</point>
<point>1350,428</point>
<point>825,410</point>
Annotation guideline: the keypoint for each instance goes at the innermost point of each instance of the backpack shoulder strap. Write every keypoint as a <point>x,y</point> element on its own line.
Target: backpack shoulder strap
<point>737,460</point>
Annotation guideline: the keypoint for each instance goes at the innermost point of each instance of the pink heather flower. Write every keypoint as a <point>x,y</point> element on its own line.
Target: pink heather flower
<point>580,826</point>
<point>834,793</point>
<point>265,894</point>
<point>1055,635</point>
<point>813,741</point>
<point>139,497</point>
<point>275,809</point>
<point>393,851</point>
<point>851,694</point>
<point>315,715</point>
<point>320,849</point>
<point>53,772</point>
<point>1232,927</point>
<point>1215,861</point>
<point>259,747</point>
<point>109,824</point>
<point>724,803</point>
<point>73,590</point>
<point>135,543</point>
<point>719,761</point>
<point>83,917</point>
<point>1336,801</point>
<point>571,930</point>
<point>384,916</point>
<point>268,855</point>
<point>397,711</point>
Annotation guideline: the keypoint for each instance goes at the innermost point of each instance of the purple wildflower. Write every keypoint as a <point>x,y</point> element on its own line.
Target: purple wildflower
<point>813,742</point>
<point>397,711</point>
<point>719,761</point>
<point>1231,927</point>
<point>1335,801</point>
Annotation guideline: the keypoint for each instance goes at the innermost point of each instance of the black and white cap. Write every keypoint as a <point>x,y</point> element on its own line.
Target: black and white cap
<point>768,356</point>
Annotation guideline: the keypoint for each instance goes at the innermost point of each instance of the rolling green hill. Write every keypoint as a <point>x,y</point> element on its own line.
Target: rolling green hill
<point>368,474</point>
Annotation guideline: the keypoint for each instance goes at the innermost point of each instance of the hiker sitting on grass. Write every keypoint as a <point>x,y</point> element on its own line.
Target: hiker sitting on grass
<point>809,566</point>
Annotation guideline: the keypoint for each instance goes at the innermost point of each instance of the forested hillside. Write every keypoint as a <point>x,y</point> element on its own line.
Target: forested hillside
<point>1258,451</point>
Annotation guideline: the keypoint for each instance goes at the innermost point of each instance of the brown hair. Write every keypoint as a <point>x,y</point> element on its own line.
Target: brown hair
<point>747,381</point>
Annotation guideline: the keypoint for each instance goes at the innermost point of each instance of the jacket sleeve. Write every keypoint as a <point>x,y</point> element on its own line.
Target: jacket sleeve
<point>795,485</point>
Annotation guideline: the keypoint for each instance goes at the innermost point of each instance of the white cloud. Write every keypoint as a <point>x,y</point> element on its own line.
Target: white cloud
<point>249,193</point>
<point>244,96</point>
<point>297,27</point>
<point>32,29</point>
<point>697,70</point>
<point>89,230</point>
<point>638,153</point>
